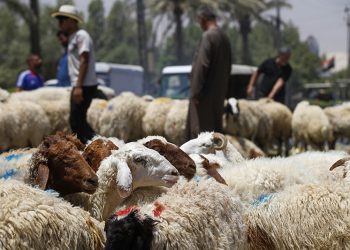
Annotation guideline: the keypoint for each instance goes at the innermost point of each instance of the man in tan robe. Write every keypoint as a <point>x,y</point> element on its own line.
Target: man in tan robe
<point>210,74</point>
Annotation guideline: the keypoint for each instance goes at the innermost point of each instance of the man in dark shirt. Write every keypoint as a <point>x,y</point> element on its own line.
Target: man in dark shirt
<point>276,72</point>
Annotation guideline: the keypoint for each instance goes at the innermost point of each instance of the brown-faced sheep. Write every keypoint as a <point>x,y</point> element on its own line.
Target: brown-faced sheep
<point>58,165</point>
<point>178,158</point>
<point>98,150</point>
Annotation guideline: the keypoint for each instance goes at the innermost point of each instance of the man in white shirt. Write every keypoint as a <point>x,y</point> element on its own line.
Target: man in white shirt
<point>81,67</point>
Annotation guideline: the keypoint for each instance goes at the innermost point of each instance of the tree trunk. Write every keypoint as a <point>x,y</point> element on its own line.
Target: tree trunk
<point>142,39</point>
<point>178,32</point>
<point>35,28</point>
<point>245,29</point>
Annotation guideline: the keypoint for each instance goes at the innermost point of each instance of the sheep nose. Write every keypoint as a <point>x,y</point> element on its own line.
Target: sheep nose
<point>174,172</point>
<point>92,181</point>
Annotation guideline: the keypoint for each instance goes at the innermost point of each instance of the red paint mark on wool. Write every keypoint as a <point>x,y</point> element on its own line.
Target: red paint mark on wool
<point>124,212</point>
<point>159,208</point>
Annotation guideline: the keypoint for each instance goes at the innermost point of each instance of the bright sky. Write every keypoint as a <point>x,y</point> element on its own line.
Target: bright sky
<point>324,19</point>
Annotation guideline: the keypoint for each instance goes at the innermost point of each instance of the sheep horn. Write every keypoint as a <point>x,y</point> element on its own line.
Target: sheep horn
<point>339,163</point>
<point>220,141</point>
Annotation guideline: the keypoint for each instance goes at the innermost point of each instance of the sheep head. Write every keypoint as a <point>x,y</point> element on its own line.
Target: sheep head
<point>138,166</point>
<point>178,158</point>
<point>98,150</point>
<point>72,138</point>
<point>345,162</point>
<point>205,143</point>
<point>132,231</point>
<point>59,165</point>
<point>232,108</point>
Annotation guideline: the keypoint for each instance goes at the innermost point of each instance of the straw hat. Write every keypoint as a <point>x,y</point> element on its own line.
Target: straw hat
<point>68,11</point>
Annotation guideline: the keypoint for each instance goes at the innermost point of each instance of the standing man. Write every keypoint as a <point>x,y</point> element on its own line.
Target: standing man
<point>62,68</point>
<point>81,67</point>
<point>276,72</point>
<point>210,74</point>
<point>30,79</point>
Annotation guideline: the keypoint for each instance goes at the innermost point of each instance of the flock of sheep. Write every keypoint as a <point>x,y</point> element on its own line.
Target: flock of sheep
<point>255,127</point>
<point>126,189</point>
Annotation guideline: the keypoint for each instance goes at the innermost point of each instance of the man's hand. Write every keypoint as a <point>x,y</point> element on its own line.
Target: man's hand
<point>77,94</point>
<point>250,91</point>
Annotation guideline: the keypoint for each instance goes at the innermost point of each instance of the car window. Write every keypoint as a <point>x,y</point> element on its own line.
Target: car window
<point>175,86</point>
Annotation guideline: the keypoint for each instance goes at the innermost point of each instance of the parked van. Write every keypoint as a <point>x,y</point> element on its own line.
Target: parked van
<point>121,77</point>
<point>175,81</point>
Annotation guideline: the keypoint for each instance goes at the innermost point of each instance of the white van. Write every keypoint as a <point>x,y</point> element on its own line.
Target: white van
<point>175,81</point>
<point>121,77</point>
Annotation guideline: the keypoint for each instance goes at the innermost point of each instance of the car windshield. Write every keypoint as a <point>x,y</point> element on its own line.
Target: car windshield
<point>175,86</point>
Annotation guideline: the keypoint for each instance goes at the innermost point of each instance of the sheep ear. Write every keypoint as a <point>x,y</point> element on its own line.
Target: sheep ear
<point>124,179</point>
<point>42,177</point>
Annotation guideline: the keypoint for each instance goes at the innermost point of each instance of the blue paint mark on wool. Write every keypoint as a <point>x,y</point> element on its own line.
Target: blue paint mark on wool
<point>198,178</point>
<point>264,198</point>
<point>13,157</point>
<point>8,174</point>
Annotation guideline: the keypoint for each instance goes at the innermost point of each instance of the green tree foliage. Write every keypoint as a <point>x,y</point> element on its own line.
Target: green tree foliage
<point>120,36</point>
<point>96,23</point>
<point>115,39</point>
<point>14,48</point>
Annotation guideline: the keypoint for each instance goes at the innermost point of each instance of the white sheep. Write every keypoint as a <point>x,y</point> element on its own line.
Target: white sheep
<point>16,162</point>
<point>314,216</point>
<point>156,113</point>
<point>245,147</point>
<point>191,215</point>
<point>54,101</point>
<point>94,112</point>
<point>130,167</point>
<point>4,95</point>
<point>214,146</point>
<point>22,124</point>
<point>175,124</point>
<point>34,219</point>
<point>310,126</point>
<point>281,118</point>
<point>339,117</point>
<point>247,119</point>
<point>251,178</point>
<point>123,117</point>
<point>46,93</point>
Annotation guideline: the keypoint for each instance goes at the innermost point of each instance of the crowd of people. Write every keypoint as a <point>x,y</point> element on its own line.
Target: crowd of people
<point>210,73</point>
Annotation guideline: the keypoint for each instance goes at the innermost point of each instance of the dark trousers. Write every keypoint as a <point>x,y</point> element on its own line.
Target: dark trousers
<point>77,117</point>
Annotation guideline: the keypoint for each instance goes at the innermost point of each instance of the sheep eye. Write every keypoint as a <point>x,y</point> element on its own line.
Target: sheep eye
<point>140,160</point>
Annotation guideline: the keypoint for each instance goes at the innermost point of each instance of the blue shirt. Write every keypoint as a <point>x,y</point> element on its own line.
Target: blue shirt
<point>29,80</point>
<point>62,71</point>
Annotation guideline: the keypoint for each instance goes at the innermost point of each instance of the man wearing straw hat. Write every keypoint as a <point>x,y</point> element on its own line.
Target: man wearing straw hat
<point>81,67</point>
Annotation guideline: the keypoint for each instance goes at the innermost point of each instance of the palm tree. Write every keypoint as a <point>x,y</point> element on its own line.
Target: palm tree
<point>244,13</point>
<point>176,9</point>
<point>142,36</point>
<point>173,9</point>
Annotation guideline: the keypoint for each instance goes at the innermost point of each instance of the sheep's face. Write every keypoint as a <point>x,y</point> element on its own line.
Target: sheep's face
<point>69,172</point>
<point>178,158</point>
<point>205,143</point>
<point>149,168</point>
<point>98,150</point>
